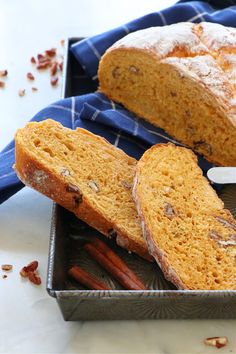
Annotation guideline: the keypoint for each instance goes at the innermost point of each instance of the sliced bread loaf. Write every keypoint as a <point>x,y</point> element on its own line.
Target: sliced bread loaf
<point>181,78</point>
<point>85,174</point>
<point>188,231</point>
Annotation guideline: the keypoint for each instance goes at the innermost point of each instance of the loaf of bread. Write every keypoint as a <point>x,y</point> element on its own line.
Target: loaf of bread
<point>188,231</point>
<point>86,175</point>
<point>181,78</point>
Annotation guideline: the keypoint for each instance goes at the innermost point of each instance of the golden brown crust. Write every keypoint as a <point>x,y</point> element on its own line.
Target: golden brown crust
<point>36,174</point>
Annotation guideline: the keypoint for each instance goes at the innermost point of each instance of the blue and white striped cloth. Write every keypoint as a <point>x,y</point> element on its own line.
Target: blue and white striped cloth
<point>95,112</point>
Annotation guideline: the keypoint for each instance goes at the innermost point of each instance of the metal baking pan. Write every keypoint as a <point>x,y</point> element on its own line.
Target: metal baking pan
<point>162,301</point>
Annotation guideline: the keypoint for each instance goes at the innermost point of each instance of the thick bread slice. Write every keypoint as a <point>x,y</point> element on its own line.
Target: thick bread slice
<point>85,174</point>
<point>188,231</point>
<point>181,78</point>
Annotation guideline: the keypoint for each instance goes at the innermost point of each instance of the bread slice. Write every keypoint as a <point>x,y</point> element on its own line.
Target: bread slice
<point>86,175</point>
<point>180,78</point>
<point>188,231</point>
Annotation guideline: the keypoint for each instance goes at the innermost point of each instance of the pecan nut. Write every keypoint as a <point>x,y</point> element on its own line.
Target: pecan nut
<point>94,185</point>
<point>225,222</point>
<point>31,267</point>
<point>65,172</point>
<point>133,69</point>
<point>116,72</point>
<point>72,188</point>
<point>126,185</point>
<point>3,73</point>
<point>169,211</point>
<point>54,80</point>
<point>30,76</point>
<point>217,342</point>
<point>21,92</point>
<point>53,69</point>
<point>34,278</point>
<point>6,267</point>
<point>51,52</point>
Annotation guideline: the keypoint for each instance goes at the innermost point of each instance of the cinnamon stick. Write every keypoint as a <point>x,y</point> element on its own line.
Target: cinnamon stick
<point>117,261</point>
<point>114,265</point>
<point>86,279</point>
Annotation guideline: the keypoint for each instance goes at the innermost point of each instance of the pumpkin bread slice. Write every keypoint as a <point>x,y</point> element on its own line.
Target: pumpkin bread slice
<point>86,175</point>
<point>188,231</point>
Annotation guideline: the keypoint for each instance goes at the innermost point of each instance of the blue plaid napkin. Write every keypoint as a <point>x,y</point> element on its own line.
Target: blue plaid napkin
<point>94,111</point>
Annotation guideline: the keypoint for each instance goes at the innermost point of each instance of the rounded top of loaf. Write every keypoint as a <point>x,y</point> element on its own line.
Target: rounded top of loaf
<point>182,39</point>
<point>204,51</point>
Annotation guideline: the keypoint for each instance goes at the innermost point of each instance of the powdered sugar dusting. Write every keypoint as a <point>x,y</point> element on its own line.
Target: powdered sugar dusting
<point>164,40</point>
<point>217,37</point>
<point>205,70</point>
<point>205,51</point>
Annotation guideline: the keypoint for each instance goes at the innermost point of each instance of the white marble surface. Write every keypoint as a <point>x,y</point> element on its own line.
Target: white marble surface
<point>30,320</point>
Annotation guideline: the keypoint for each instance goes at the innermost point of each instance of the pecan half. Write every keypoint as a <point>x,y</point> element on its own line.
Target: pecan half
<point>23,273</point>
<point>31,267</point>
<point>53,69</point>
<point>65,172</point>
<point>215,235</point>
<point>133,69</point>
<point>116,72</point>
<point>2,84</point>
<point>54,81</point>
<point>3,73</point>
<point>21,92</point>
<point>51,52</point>
<point>225,222</point>
<point>60,65</point>
<point>6,267</point>
<point>43,65</point>
<point>30,76</point>
<point>169,211</point>
<point>40,57</point>
<point>231,241</point>
<point>217,342</point>
<point>34,278</point>
<point>72,188</point>
<point>93,185</point>
<point>126,185</point>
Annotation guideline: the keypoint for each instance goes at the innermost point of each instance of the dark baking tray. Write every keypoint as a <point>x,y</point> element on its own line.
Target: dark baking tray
<point>68,235</point>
